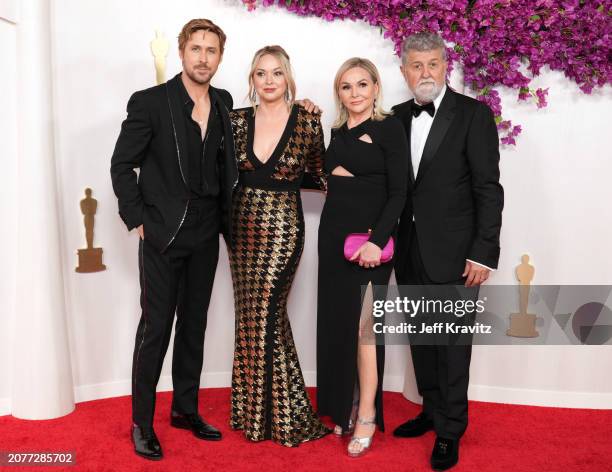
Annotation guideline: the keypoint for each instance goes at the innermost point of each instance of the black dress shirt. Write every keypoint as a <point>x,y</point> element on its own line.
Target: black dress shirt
<point>202,152</point>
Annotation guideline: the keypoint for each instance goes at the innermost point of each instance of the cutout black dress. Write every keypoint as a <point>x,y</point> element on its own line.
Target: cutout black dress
<point>372,199</point>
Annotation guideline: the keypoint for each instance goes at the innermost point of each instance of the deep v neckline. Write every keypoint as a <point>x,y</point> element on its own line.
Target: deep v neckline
<point>280,145</point>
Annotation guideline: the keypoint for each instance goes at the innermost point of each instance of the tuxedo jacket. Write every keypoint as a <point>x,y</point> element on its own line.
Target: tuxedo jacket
<point>153,138</point>
<point>456,199</point>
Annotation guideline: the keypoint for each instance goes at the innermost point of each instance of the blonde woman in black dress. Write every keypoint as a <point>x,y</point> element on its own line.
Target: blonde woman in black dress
<point>367,162</point>
<point>279,148</point>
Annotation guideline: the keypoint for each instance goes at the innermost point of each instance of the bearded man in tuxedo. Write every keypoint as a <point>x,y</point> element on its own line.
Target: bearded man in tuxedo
<point>449,229</point>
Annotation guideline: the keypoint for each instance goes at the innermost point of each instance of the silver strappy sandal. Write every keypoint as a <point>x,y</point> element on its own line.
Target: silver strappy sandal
<point>338,431</point>
<point>365,443</point>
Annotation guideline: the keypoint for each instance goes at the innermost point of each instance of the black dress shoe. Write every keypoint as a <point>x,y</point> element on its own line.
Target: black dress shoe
<point>414,427</point>
<point>146,443</point>
<point>196,425</point>
<point>445,453</point>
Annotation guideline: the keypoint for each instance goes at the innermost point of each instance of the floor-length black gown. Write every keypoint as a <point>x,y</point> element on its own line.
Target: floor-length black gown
<point>372,199</point>
<point>269,398</point>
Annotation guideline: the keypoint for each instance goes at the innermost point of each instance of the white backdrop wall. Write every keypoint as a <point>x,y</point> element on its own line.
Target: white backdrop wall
<point>556,182</point>
<point>97,67</point>
<point>8,198</point>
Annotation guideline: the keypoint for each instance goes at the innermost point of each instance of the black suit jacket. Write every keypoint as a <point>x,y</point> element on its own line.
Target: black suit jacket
<point>456,198</point>
<point>153,138</point>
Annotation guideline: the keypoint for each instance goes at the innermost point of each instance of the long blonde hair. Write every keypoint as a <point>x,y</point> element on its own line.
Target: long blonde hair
<point>283,58</point>
<point>378,113</point>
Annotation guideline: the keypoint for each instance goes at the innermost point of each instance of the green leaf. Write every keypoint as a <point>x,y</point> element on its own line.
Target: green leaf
<point>535,17</point>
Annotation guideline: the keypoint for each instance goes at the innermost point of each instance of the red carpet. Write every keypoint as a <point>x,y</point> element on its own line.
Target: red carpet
<point>499,438</point>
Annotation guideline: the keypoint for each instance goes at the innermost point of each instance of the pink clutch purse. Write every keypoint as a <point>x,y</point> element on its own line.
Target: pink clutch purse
<point>355,240</point>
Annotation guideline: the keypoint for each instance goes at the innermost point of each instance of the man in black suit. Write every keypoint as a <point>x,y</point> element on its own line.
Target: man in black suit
<point>179,135</point>
<point>449,229</point>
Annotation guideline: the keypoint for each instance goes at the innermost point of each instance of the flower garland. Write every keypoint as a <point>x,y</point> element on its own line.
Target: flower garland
<point>497,42</point>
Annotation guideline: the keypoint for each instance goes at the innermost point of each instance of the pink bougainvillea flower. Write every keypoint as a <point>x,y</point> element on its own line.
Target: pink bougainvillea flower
<point>495,41</point>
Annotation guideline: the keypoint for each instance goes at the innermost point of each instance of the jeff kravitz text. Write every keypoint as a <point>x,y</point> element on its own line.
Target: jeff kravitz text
<point>421,307</point>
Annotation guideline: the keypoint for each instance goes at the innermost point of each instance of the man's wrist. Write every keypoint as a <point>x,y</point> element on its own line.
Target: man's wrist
<point>481,265</point>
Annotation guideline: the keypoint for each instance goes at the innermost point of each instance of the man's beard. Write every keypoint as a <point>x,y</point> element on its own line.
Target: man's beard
<point>427,94</point>
<point>197,79</point>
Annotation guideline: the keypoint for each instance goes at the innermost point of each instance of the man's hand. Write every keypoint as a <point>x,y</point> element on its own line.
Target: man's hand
<point>140,230</point>
<point>476,274</point>
<point>309,106</point>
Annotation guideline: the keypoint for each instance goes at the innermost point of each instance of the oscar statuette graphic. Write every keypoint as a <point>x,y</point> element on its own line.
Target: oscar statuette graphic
<point>522,324</point>
<point>159,48</point>
<point>90,259</point>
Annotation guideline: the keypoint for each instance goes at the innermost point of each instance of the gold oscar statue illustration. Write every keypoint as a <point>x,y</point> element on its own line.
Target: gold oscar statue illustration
<point>90,259</point>
<point>159,48</point>
<point>522,324</point>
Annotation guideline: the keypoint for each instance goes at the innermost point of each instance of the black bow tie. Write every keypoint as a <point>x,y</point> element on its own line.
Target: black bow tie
<point>417,109</point>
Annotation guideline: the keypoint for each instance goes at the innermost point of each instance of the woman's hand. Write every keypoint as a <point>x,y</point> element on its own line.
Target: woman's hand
<point>309,105</point>
<point>368,255</point>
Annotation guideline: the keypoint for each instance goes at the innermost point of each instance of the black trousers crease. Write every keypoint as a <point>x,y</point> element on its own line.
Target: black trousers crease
<point>442,371</point>
<point>178,281</point>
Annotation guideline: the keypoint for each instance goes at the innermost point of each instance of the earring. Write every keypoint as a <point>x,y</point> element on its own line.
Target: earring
<point>287,95</point>
<point>254,96</point>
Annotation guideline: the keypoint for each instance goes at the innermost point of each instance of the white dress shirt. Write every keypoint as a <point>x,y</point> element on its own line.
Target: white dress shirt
<point>419,130</point>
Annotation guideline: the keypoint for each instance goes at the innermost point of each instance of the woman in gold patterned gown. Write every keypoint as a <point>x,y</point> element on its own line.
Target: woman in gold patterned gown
<point>279,148</point>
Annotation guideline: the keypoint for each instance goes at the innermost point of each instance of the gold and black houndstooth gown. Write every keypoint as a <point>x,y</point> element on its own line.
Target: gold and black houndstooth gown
<point>269,398</point>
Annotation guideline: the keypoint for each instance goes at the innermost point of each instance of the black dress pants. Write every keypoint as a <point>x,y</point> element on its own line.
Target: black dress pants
<point>180,281</point>
<point>442,371</point>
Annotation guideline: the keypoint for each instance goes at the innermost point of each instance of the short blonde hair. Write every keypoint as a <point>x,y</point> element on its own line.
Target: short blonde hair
<point>197,25</point>
<point>378,113</point>
<point>282,56</point>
